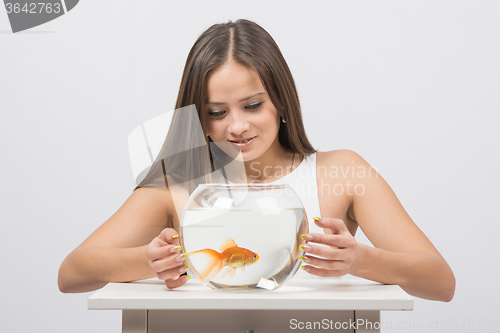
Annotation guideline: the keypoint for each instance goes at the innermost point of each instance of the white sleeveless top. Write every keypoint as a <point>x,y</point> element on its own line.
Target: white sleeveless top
<point>303,181</point>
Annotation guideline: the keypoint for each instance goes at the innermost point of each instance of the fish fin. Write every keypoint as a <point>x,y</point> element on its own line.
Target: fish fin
<point>232,273</point>
<point>224,272</point>
<point>229,243</point>
<point>214,263</point>
<point>228,272</point>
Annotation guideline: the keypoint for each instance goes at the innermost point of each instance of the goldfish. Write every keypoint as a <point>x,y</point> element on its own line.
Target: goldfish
<point>231,257</point>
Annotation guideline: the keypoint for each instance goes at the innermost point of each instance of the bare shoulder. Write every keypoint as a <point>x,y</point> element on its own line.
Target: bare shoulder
<point>152,200</point>
<point>150,194</point>
<point>341,157</point>
<point>342,165</point>
<point>336,171</point>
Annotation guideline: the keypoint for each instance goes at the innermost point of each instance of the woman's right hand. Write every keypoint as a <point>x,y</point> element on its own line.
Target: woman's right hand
<point>164,258</point>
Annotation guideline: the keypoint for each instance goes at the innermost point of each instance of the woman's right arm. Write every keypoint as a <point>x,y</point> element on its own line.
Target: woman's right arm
<point>133,244</point>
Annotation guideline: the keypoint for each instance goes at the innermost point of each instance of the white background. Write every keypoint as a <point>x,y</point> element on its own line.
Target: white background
<point>412,86</point>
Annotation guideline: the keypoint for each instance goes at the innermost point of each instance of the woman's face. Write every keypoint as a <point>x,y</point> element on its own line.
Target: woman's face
<point>240,111</point>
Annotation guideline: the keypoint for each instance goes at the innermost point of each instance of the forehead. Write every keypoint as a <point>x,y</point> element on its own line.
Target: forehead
<point>233,82</point>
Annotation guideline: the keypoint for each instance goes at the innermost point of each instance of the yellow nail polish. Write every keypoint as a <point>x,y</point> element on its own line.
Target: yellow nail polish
<point>307,237</point>
<point>184,255</point>
<point>188,277</point>
<point>187,266</point>
<point>303,267</point>
<point>305,248</point>
<point>301,258</point>
<point>175,236</point>
<point>316,218</point>
<point>179,248</point>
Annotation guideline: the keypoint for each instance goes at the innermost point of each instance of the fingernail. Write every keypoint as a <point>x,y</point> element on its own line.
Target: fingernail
<point>306,237</point>
<point>303,267</point>
<point>316,219</point>
<point>187,266</point>
<point>187,277</point>
<point>176,249</point>
<point>174,236</point>
<point>181,257</point>
<point>182,269</point>
<point>304,259</point>
<point>305,248</point>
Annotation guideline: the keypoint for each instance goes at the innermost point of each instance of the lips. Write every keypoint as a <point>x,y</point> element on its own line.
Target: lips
<point>242,140</point>
<point>243,143</point>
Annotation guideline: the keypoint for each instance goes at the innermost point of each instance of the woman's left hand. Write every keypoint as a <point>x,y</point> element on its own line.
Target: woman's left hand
<point>335,260</point>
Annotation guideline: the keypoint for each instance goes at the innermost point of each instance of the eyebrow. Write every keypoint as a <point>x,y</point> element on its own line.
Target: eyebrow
<point>242,100</point>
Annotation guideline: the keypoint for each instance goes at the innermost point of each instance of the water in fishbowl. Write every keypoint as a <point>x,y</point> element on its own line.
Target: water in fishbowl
<point>241,249</point>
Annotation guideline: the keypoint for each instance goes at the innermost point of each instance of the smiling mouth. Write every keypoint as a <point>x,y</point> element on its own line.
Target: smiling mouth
<point>241,141</point>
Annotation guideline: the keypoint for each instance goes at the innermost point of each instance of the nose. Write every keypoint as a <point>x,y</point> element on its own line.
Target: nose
<point>238,123</point>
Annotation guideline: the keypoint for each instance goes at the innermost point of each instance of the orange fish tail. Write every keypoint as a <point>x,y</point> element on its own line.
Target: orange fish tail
<point>215,262</point>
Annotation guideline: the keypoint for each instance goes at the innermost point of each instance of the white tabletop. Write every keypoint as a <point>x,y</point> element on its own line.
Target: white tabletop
<point>298,294</point>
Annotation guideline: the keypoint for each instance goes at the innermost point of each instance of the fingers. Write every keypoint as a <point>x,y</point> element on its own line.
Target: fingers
<point>340,236</point>
<point>324,252</point>
<point>161,265</point>
<point>164,257</point>
<point>328,267</point>
<point>323,272</point>
<point>337,226</point>
<point>340,241</point>
<point>347,254</point>
<point>155,252</point>
<point>170,236</point>
<point>165,244</point>
<point>335,259</point>
<point>181,280</point>
<point>172,273</point>
<point>333,265</point>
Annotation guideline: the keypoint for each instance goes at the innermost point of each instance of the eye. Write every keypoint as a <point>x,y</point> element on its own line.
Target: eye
<point>254,106</point>
<point>254,256</point>
<point>216,114</point>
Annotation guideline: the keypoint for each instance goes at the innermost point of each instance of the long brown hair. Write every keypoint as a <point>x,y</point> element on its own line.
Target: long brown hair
<point>248,44</point>
<point>182,158</point>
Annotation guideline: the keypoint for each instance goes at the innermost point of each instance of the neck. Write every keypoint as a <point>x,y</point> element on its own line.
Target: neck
<point>269,167</point>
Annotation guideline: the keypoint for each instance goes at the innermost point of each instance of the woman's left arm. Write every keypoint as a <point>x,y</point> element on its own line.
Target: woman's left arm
<point>402,255</point>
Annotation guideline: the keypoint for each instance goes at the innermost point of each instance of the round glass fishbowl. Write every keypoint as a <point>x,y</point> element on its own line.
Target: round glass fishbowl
<point>243,237</point>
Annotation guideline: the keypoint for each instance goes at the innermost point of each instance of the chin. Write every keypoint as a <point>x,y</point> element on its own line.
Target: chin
<point>244,157</point>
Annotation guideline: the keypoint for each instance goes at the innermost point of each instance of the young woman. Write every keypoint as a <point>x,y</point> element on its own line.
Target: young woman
<point>245,96</point>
